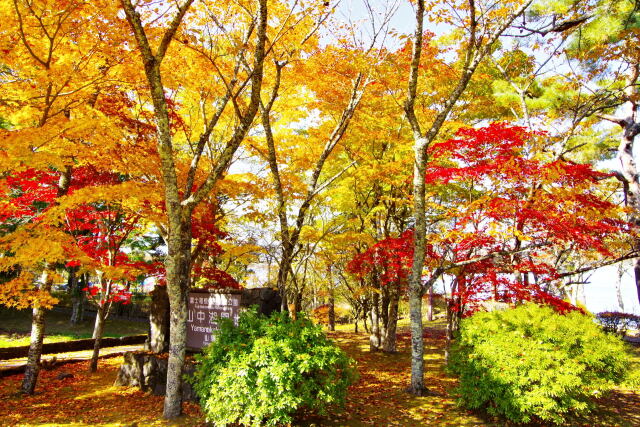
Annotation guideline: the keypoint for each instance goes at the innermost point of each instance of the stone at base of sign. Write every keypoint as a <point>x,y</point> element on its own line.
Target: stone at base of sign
<point>149,373</point>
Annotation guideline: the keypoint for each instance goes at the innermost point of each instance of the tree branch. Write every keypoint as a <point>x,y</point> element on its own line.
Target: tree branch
<point>171,31</point>
<point>245,121</point>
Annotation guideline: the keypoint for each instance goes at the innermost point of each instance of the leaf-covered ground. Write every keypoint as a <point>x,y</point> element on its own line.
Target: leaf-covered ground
<point>84,400</point>
<point>378,398</point>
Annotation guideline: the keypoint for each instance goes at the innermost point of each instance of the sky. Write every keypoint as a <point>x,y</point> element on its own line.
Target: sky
<point>600,294</point>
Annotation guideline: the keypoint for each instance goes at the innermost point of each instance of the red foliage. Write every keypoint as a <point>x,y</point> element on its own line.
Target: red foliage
<point>216,278</point>
<point>99,229</point>
<point>502,187</point>
<point>30,192</point>
<point>523,197</point>
<point>207,236</point>
<point>390,259</point>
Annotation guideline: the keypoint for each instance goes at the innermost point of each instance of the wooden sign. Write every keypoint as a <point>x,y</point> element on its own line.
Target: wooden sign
<point>205,309</point>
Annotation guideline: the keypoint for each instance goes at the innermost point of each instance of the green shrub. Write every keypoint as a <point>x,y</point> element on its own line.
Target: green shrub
<point>532,362</point>
<point>266,369</point>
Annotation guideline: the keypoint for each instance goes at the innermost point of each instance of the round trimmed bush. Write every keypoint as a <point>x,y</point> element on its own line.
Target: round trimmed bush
<point>265,370</point>
<point>530,362</point>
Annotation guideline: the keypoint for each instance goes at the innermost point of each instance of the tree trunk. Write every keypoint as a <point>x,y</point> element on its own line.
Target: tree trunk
<point>332,310</point>
<point>98,330</point>
<point>283,272</point>
<point>415,282</point>
<point>77,297</point>
<point>573,296</point>
<point>430,306</point>
<point>417,341</point>
<point>636,271</point>
<point>356,318</point>
<point>364,323</point>
<point>389,344</point>
<point>178,269</point>
<point>619,286</point>
<point>158,341</point>
<point>375,340</point>
<point>384,312</point>
<point>628,168</point>
<point>35,344</point>
<point>454,312</point>
<point>37,321</point>
<point>298,302</point>
<point>291,309</point>
<point>449,336</point>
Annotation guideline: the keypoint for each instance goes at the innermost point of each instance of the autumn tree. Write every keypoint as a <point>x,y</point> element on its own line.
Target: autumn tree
<point>506,197</point>
<point>101,231</point>
<point>499,209</point>
<point>230,41</point>
<point>384,266</point>
<point>480,26</point>
<point>597,85</point>
<point>609,53</point>
<point>345,73</point>
<point>50,73</point>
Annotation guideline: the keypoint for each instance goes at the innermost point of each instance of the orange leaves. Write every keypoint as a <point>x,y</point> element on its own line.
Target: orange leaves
<point>85,399</point>
<point>20,293</point>
<point>379,396</point>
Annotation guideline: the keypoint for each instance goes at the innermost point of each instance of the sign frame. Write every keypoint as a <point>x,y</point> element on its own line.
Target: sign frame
<point>204,307</point>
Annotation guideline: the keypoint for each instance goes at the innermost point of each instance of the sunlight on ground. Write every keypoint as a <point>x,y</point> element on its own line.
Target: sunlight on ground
<point>16,340</point>
<point>84,400</point>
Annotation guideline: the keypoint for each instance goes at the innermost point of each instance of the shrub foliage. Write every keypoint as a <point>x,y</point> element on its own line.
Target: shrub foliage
<point>266,369</point>
<point>532,362</point>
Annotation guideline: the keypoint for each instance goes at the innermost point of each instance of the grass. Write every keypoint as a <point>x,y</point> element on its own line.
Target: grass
<point>15,326</point>
<point>378,398</point>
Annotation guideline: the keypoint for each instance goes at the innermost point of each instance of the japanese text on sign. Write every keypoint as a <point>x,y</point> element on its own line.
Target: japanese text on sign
<point>204,311</point>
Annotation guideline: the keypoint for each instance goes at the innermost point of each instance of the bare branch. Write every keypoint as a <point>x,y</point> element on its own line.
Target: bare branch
<point>245,121</point>
<point>409,106</point>
<point>613,119</point>
<point>329,181</point>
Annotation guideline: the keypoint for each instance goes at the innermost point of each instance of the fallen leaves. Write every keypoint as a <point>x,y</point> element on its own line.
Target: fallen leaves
<point>377,399</point>
<point>85,399</point>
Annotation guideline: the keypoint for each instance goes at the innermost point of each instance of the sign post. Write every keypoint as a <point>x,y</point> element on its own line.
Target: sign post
<point>205,308</point>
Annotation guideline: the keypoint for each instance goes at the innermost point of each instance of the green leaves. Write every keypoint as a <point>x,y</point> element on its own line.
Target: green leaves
<point>532,362</point>
<point>267,369</point>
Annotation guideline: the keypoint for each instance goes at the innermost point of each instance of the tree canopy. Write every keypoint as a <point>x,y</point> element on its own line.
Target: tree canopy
<point>350,159</point>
